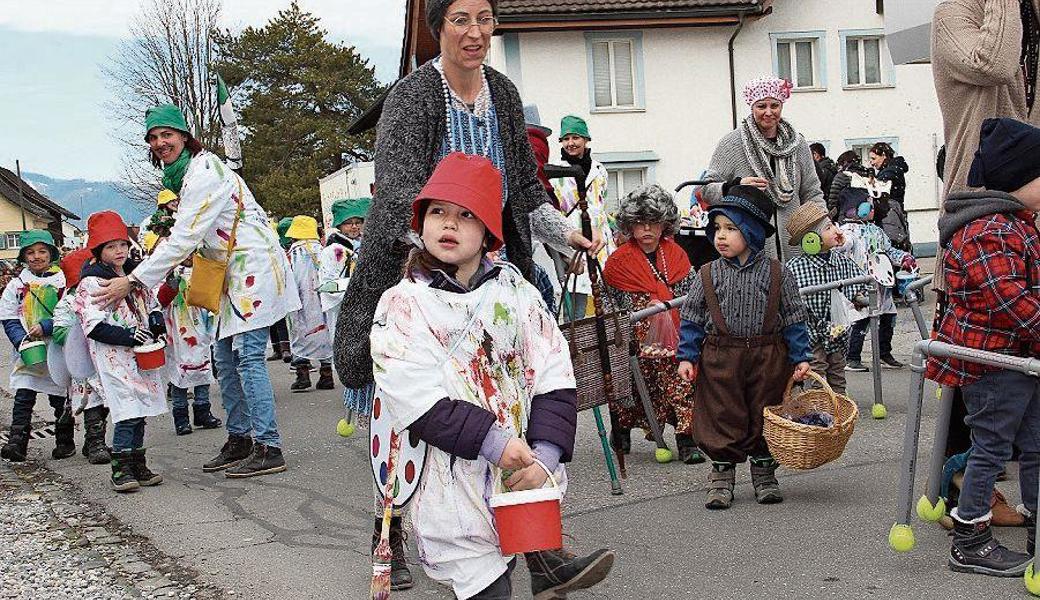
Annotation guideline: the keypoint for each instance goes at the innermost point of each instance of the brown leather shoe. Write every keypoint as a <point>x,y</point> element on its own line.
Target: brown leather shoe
<point>1004,515</point>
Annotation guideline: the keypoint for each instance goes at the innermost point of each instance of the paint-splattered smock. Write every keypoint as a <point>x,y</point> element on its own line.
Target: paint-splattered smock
<point>30,299</point>
<point>190,334</point>
<point>566,191</point>
<point>82,393</point>
<point>308,332</point>
<point>260,290</point>
<point>507,350</point>
<point>337,261</point>
<point>863,240</point>
<point>129,392</point>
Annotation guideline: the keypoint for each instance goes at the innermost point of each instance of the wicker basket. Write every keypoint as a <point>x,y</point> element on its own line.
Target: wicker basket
<point>588,368</point>
<point>798,446</point>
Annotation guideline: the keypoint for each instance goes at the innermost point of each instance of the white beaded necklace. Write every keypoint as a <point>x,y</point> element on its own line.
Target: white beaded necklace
<point>481,106</point>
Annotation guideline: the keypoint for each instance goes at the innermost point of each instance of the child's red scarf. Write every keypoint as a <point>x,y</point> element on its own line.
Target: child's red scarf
<point>628,269</point>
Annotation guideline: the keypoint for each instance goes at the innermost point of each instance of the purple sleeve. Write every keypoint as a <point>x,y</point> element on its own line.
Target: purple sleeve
<point>549,453</point>
<point>456,427</point>
<point>494,443</point>
<point>554,419</point>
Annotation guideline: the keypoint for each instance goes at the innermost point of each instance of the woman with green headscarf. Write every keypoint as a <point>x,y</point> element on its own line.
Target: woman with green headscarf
<point>214,202</point>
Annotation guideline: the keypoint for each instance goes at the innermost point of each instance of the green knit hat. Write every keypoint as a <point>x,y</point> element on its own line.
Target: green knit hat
<point>283,226</point>
<point>37,236</point>
<point>164,115</point>
<point>574,125</point>
<point>347,208</point>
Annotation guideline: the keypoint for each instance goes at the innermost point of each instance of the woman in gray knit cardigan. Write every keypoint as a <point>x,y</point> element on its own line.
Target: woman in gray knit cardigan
<point>765,151</point>
<point>453,103</point>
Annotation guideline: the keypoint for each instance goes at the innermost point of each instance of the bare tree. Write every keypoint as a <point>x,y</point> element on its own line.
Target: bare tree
<point>166,61</point>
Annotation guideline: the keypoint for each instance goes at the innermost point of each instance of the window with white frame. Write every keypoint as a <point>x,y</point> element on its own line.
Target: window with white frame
<point>14,239</point>
<point>3,242</point>
<point>614,71</point>
<point>799,58</point>
<point>864,60</point>
<point>620,182</point>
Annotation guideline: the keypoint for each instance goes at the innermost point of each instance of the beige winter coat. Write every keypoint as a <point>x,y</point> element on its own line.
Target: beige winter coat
<point>976,53</point>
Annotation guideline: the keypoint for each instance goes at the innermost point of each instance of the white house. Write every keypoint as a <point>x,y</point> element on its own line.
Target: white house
<point>653,79</point>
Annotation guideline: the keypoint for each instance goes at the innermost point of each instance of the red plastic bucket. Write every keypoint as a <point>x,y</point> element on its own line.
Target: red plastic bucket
<point>529,520</point>
<point>150,356</point>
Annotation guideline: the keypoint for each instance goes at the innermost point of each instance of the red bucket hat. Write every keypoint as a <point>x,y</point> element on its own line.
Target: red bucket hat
<point>72,266</point>
<point>104,227</point>
<point>471,182</point>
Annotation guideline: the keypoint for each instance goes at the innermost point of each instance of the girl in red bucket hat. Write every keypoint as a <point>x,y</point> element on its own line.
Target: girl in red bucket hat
<point>469,360</point>
<point>113,331</point>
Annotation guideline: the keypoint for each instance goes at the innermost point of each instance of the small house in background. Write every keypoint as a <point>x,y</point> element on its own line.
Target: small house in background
<point>352,181</point>
<point>27,209</point>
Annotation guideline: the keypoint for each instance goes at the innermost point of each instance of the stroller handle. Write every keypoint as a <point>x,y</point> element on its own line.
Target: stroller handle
<point>687,184</point>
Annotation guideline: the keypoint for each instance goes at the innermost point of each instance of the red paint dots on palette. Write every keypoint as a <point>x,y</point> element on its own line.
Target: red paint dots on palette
<point>409,471</point>
<point>375,446</point>
<point>377,407</point>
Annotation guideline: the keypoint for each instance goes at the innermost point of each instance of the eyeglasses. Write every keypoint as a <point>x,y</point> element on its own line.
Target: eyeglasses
<point>462,23</point>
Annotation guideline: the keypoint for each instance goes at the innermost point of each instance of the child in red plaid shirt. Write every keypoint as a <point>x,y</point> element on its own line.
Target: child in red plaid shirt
<point>992,269</point>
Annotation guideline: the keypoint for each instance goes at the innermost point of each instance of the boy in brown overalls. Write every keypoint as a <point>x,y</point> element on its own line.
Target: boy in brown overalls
<point>743,325</point>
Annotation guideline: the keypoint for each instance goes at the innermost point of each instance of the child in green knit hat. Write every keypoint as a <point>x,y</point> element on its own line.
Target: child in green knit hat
<point>27,312</point>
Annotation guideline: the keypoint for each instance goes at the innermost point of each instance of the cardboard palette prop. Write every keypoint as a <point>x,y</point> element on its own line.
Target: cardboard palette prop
<point>880,268</point>
<point>410,461</point>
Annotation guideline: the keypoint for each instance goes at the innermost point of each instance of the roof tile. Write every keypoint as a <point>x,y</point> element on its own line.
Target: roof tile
<point>563,7</point>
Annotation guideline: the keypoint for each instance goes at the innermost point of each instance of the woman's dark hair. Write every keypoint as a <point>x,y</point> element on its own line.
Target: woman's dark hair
<point>848,158</point>
<point>436,10</point>
<point>883,149</point>
<point>818,148</point>
<point>193,145</point>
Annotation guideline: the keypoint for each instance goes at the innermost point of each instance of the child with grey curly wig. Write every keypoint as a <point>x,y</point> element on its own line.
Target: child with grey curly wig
<point>650,268</point>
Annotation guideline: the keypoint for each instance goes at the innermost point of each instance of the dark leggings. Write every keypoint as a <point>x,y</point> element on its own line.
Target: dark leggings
<point>501,588</point>
<point>279,332</point>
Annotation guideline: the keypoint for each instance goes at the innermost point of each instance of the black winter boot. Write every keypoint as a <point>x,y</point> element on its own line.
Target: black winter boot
<point>263,461</point>
<point>235,450</point>
<point>276,352</point>
<point>286,353</point>
<point>64,436</point>
<point>122,478</point>
<point>400,576</point>
<point>554,573</point>
<point>689,453</point>
<point>204,418</point>
<point>140,470</point>
<point>303,379</point>
<point>94,421</point>
<point>17,446</point>
<point>763,477</point>
<point>975,550</point>
<point>325,381</point>
<point>181,424</point>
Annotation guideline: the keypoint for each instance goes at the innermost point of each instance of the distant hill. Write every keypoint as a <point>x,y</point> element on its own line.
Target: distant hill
<point>85,197</point>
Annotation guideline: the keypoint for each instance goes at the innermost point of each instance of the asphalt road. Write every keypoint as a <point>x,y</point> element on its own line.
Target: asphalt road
<point>305,533</point>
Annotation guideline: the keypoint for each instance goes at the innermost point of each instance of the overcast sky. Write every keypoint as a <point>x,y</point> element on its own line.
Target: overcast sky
<point>51,92</point>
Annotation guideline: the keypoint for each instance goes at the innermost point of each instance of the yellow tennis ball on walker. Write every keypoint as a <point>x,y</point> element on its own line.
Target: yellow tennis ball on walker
<point>663,455</point>
<point>901,538</point>
<point>1032,581</point>
<point>345,428</point>
<point>929,512</point>
<point>878,411</point>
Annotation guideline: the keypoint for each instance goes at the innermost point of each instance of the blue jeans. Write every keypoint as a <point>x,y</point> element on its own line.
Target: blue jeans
<point>128,435</point>
<point>245,386</point>
<point>179,396</point>
<point>1003,412</point>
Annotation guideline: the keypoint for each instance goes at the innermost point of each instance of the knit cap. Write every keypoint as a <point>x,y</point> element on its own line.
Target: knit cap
<point>1006,159</point>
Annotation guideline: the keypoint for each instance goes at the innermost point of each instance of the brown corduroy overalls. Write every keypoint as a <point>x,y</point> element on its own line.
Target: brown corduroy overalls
<point>738,377</point>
